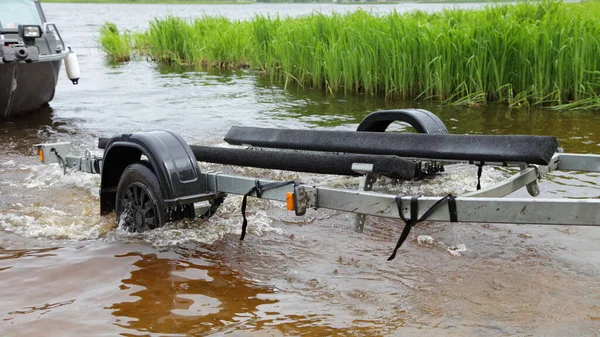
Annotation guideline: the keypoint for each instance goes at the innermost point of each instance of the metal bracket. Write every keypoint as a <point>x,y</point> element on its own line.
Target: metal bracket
<point>366,184</point>
<point>215,181</point>
<point>206,211</point>
<point>533,188</point>
<point>48,152</point>
<point>304,197</point>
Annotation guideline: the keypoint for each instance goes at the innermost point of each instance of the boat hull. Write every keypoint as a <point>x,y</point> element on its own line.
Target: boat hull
<point>27,86</point>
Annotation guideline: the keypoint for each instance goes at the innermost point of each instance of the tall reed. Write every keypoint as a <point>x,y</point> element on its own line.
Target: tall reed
<point>528,53</point>
<point>117,45</point>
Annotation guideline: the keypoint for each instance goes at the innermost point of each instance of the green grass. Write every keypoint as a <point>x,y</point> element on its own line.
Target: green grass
<point>118,46</point>
<point>543,53</point>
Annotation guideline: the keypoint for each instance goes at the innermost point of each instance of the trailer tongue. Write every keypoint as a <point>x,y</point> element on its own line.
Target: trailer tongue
<point>150,178</point>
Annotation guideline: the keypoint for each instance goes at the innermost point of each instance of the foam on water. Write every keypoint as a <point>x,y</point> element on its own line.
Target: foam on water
<point>227,220</point>
<point>9,163</point>
<point>42,221</point>
<point>457,179</point>
<point>52,176</point>
<point>58,206</point>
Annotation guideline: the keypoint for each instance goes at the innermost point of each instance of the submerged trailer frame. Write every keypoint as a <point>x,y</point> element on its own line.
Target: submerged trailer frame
<point>477,206</point>
<point>485,205</point>
<point>181,183</point>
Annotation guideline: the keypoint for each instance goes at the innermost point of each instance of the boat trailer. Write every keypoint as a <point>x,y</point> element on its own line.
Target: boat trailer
<point>151,178</point>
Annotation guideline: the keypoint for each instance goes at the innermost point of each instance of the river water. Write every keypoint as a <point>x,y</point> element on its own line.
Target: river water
<point>67,271</point>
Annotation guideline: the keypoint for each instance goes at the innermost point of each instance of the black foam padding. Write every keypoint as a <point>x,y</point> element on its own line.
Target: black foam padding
<point>303,161</point>
<point>484,148</point>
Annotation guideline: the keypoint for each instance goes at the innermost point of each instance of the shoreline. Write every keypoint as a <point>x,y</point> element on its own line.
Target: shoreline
<point>398,55</point>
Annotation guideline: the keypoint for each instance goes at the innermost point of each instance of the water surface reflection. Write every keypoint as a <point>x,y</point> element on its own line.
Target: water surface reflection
<point>178,295</point>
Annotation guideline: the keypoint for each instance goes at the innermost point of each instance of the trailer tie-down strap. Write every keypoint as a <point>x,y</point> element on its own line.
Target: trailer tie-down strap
<point>414,216</point>
<point>61,161</point>
<point>479,172</point>
<point>259,189</point>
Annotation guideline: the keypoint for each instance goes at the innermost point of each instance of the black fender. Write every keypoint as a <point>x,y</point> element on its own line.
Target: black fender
<point>422,120</point>
<point>171,160</point>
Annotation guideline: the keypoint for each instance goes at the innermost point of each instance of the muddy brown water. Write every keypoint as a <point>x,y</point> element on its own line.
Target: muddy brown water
<point>66,271</point>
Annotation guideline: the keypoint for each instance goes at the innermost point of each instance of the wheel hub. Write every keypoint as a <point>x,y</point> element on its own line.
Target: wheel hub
<point>139,207</point>
<point>139,218</point>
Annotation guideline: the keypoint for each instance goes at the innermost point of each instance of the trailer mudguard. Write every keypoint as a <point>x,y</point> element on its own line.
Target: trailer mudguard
<point>171,160</point>
<point>422,120</point>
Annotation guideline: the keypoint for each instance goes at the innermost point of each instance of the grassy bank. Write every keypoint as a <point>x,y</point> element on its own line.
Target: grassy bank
<point>531,53</point>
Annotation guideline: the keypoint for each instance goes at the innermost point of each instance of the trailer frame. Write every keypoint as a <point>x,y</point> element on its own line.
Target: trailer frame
<point>175,165</point>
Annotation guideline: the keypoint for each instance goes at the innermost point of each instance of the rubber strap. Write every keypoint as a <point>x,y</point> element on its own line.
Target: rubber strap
<point>414,216</point>
<point>452,208</point>
<point>479,172</point>
<point>409,223</point>
<point>259,189</point>
<point>60,159</point>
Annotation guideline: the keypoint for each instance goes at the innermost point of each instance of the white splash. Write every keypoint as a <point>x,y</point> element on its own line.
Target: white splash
<point>52,176</point>
<point>41,221</point>
<point>456,250</point>
<point>457,179</point>
<point>425,240</point>
<point>8,163</point>
<point>227,220</point>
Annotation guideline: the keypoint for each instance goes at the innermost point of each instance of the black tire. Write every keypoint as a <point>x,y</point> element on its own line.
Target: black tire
<point>422,120</point>
<point>140,204</point>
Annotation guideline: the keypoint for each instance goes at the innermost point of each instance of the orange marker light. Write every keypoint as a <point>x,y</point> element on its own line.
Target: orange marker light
<point>289,199</point>
<point>41,154</point>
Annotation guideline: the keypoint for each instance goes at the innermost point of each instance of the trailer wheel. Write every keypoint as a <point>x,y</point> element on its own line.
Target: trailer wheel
<point>139,203</point>
<point>422,120</point>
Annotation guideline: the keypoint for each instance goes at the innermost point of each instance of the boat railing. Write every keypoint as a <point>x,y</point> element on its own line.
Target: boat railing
<point>50,30</point>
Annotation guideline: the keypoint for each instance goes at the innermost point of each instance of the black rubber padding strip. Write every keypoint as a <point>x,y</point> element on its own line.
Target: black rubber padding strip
<point>486,148</point>
<point>302,161</point>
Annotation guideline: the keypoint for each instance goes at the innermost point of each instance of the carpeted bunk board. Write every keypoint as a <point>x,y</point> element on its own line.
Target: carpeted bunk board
<point>477,148</point>
<point>303,161</point>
